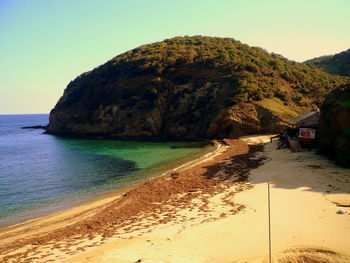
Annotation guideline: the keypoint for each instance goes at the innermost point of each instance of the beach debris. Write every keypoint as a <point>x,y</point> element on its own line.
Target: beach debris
<point>341,211</point>
<point>174,175</point>
<point>139,260</point>
<point>314,166</point>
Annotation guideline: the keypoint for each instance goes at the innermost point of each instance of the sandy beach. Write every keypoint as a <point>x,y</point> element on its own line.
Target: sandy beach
<point>212,210</point>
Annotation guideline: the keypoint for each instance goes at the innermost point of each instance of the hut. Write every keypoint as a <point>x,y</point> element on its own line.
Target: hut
<point>305,126</point>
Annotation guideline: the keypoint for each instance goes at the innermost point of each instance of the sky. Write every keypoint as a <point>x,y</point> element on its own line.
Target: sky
<point>46,44</point>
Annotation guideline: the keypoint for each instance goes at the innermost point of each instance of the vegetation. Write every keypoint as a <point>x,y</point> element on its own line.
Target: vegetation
<point>335,125</point>
<point>277,106</point>
<point>182,84</point>
<point>252,73</point>
<point>338,64</point>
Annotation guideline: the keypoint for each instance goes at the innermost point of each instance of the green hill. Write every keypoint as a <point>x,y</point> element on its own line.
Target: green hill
<point>190,87</point>
<point>338,64</point>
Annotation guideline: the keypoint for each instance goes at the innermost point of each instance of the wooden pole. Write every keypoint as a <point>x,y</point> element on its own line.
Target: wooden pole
<point>269,212</point>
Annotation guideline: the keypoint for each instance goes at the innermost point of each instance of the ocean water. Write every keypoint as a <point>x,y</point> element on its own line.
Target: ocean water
<point>41,173</point>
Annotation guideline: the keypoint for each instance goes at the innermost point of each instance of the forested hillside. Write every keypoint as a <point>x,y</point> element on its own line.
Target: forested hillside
<point>190,87</point>
<point>338,64</point>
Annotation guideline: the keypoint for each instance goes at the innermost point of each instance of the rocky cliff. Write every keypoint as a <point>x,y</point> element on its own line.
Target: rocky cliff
<point>334,130</point>
<point>190,87</point>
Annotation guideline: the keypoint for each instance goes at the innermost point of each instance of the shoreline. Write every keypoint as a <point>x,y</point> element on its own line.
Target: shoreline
<point>62,223</point>
<point>213,211</point>
<point>117,193</point>
<point>164,170</point>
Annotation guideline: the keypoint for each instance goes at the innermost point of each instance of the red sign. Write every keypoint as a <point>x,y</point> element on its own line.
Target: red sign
<point>307,133</point>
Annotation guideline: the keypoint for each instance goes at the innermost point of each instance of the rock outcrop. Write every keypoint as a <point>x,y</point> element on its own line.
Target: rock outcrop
<point>189,87</point>
<point>334,130</point>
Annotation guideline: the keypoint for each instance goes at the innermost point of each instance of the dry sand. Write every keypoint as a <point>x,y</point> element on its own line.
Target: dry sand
<point>219,218</point>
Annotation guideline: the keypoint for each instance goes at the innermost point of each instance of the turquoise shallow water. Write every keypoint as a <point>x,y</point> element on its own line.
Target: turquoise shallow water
<point>41,174</point>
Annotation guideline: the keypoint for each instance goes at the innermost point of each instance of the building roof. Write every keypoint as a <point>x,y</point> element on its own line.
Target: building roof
<point>306,119</point>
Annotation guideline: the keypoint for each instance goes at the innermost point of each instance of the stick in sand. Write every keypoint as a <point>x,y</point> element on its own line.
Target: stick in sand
<point>269,209</point>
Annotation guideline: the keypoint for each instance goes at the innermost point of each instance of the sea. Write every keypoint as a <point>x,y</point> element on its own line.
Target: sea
<point>41,173</point>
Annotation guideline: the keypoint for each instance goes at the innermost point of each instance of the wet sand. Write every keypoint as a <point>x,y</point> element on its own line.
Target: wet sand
<point>209,211</point>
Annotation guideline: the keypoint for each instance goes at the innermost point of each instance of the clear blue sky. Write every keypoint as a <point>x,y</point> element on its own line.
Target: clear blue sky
<point>44,44</point>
